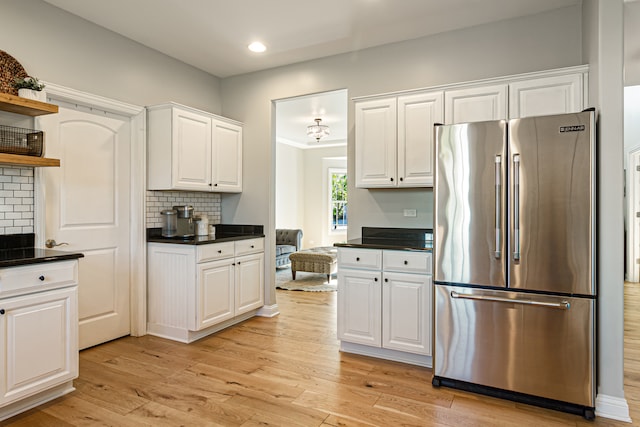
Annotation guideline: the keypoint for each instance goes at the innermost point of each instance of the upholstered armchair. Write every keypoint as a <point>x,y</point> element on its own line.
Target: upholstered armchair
<point>287,242</point>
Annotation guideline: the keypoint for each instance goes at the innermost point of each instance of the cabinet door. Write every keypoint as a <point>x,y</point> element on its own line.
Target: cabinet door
<point>191,151</point>
<point>359,306</point>
<point>249,283</point>
<point>227,157</point>
<point>406,312</point>
<point>544,96</point>
<point>38,342</point>
<point>416,117</point>
<point>215,293</point>
<point>475,104</point>
<point>376,143</point>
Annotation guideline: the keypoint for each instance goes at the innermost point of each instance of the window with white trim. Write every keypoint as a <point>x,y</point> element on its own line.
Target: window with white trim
<point>337,199</point>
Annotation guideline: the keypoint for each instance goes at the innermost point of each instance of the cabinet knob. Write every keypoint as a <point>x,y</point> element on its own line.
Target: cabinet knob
<point>357,258</point>
<point>401,179</point>
<point>1,311</point>
<point>220,251</point>
<point>391,179</point>
<point>375,279</point>
<point>215,185</point>
<point>252,246</point>
<point>406,262</point>
<point>210,184</point>
<point>386,280</point>
<point>41,278</point>
<point>239,262</point>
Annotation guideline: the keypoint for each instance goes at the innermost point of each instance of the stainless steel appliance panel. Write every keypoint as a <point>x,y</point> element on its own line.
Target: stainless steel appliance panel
<point>535,344</point>
<point>552,198</point>
<point>469,210</point>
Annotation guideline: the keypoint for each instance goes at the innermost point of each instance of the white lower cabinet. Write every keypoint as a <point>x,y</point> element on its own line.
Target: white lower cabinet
<point>196,290</point>
<point>360,306</point>
<point>406,312</point>
<point>215,293</point>
<point>384,304</point>
<point>38,335</point>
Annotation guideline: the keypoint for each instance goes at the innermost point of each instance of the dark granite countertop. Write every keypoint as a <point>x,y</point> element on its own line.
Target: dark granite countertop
<point>224,233</point>
<point>406,239</point>
<point>17,250</point>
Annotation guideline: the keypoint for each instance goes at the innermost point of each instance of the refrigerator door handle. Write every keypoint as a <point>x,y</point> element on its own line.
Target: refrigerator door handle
<point>516,207</point>
<point>564,305</point>
<point>498,183</point>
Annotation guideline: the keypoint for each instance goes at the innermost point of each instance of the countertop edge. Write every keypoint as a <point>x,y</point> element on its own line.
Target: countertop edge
<point>205,240</point>
<point>389,246</point>
<point>41,260</point>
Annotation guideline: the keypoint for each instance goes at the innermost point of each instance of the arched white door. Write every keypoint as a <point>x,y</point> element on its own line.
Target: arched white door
<point>87,204</point>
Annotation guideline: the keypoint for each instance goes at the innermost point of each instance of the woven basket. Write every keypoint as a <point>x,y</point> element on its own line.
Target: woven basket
<point>9,70</point>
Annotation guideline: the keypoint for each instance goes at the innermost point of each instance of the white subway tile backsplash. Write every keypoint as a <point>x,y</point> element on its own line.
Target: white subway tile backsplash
<point>203,203</point>
<point>16,200</point>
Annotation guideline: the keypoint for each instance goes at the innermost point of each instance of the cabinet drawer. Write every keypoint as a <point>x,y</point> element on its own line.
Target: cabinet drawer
<point>214,251</point>
<point>37,277</point>
<point>407,261</point>
<point>249,246</point>
<point>360,258</point>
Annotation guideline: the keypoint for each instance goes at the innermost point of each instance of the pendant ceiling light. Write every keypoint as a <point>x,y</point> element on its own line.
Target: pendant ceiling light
<point>317,131</point>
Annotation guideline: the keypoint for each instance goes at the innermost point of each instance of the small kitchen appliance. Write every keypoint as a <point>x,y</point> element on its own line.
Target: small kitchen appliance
<point>185,227</point>
<point>169,223</point>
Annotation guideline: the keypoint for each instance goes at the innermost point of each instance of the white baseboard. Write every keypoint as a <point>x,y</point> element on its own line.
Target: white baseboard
<point>615,408</point>
<point>268,311</point>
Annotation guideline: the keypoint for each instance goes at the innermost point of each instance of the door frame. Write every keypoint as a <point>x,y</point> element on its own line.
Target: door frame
<point>138,185</point>
<point>633,231</point>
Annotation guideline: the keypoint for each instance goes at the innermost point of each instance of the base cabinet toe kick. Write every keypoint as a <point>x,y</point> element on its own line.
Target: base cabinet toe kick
<point>384,304</point>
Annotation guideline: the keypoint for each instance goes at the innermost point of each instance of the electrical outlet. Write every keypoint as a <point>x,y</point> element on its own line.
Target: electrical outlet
<point>410,212</point>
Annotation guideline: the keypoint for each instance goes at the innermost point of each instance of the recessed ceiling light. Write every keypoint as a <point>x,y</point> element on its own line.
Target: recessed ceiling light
<point>257,47</point>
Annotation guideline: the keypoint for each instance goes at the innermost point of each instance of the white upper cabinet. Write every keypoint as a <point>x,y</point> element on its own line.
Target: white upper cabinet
<point>394,140</point>
<point>193,150</point>
<point>376,143</point>
<point>394,132</point>
<point>546,95</point>
<point>227,157</point>
<point>191,136</point>
<point>476,104</point>
<point>416,116</point>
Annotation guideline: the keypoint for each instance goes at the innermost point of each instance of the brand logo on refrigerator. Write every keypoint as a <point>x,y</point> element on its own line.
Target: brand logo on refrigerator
<point>573,128</point>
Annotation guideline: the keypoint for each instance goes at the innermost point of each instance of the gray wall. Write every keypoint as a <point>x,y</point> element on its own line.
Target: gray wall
<point>61,48</point>
<point>289,190</point>
<point>603,50</point>
<point>632,43</point>
<point>503,48</point>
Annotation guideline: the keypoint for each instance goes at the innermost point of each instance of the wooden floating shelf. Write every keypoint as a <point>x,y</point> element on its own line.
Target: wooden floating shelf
<point>18,160</point>
<point>27,107</point>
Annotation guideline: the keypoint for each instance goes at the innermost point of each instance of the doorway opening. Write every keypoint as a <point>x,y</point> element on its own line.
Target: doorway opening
<point>302,163</point>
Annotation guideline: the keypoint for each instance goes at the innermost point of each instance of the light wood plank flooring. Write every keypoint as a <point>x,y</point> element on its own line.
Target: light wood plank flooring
<point>287,371</point>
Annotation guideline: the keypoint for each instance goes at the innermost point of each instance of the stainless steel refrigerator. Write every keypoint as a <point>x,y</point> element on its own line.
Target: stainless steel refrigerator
<point>514,259</point>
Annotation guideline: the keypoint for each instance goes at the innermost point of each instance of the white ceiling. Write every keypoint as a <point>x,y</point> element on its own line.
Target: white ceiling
<point>295,114</point>
<point>213,35</point>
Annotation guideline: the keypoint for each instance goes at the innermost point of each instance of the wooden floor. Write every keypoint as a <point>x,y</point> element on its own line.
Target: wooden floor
<point>287,371</point>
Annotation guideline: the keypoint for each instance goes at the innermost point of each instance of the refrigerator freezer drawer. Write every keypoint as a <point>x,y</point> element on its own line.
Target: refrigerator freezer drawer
<point>534,344</point>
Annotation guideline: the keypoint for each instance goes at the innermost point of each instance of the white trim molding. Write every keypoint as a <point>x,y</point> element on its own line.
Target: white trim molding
<point>615,408</point>
<point>137,239</point>
<point>73,96</point>
<point>268,311</point>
